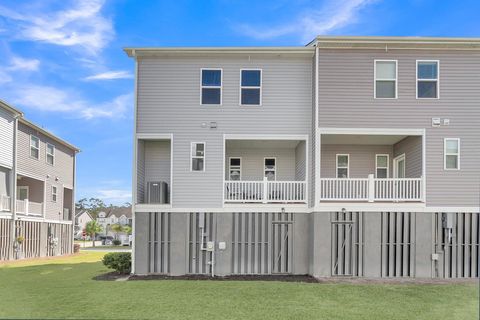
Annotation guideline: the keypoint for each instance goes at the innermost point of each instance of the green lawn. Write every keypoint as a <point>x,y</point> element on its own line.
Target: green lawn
<point>63,288</point>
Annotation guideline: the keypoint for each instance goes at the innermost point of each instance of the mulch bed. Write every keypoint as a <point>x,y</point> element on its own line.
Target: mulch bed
<point>114,276</point>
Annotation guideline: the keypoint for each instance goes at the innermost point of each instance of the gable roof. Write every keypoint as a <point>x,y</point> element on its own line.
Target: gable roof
<point>118,212</point>
<point>79,212</point>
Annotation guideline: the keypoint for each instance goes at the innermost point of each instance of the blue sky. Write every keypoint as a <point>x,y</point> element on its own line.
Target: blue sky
<point>61,61</point>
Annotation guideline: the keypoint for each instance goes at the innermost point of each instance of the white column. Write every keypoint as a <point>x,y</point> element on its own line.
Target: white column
<point>371,188</point>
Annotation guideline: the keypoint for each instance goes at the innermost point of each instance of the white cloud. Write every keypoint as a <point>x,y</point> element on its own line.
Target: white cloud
<point>51,99</point>
<point>80,25</point>
<point>110,75</point>
<point>115,196</point>
<point>332,16</point>
<point>19,63</point>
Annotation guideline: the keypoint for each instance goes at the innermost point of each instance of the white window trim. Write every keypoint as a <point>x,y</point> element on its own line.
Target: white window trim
<point>47,154</point>
<point>230,167</point>
<point>250,87</point>
<point>395,160</point>
<point>451,154</point>
<point>388,163</point>
<point>54,193</point>
<point>337,167</point>
<point>274,171</point>
<point>211,87</point>
<point>24,187</point>
<point>375,79</point>
<point>31,146</point>
<point>428,80</point>
<point>198,157</point>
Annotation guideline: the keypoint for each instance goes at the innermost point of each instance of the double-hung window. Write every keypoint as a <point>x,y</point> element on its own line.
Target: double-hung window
<point>34,147</point>
<point>250,87</point>
<point>452,154</point>
<point>385,79</point>
<point>381,165</point>
<point>270,165</point>
<point>54,194</point>
<point>198,156</point>
<point>211,86</point>
<point>427,79</point>
<point>342,165</point>
<point>235,169</point>
<point>50,154</point>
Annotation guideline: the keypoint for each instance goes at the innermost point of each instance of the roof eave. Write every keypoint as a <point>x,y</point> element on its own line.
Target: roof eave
<point>158,51</point>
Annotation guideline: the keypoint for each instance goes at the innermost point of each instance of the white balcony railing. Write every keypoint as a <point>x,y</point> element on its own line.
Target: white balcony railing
<point>29,207</point>
<point>266,191</point>
<point>371,189</point>
<point>4,203</point>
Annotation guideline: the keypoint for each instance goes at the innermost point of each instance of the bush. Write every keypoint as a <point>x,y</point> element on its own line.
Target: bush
<point>116,242</point>
<point>76,248</point>
<point>119,261</point>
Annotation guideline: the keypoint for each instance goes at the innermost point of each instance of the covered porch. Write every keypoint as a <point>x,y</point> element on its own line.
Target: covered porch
<point>368,166</point>
<point>5,192</point>
<point>266,170</point>
<point>30,196</point>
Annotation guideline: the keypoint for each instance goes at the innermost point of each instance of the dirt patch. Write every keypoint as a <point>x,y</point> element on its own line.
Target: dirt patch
<point>111,276</point>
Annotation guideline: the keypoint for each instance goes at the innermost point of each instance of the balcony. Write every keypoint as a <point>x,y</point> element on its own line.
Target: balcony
<point>4,203</point>
<point>29,207</point>
<point>266,191</point>
<point>261,171</point>
<point>371,189</point>
<point>372,165</point>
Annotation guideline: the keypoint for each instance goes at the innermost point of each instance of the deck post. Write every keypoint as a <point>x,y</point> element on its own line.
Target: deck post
<point>26,209</point>
<point>265,190</point>
<point>371,188</point>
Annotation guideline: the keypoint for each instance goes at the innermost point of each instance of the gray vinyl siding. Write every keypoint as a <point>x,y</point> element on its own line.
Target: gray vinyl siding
<point>412,148</point>
<point>361,160</point>
<point>346,101</point>
<point>300,161</point>
<point>5,181</point>
<point>253,165</point>
<point>157,161</point>
<point>59,175</point>
<point>7,124</point>
<point>140,171</point>
<point>169,102</point>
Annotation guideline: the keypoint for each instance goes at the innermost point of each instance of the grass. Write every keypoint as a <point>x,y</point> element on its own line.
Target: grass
<point>63,288</point>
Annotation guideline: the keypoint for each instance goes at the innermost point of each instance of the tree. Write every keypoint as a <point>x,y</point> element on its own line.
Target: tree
<point>127,230</point>
<point>116,228</point>
<point>93,205</point>
<point>92,229</point>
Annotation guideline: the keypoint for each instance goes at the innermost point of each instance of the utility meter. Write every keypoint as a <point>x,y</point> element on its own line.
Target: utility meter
<point>210,246</point>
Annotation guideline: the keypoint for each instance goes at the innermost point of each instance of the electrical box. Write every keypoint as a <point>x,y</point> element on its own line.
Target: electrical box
<point>436,122</point>
<point>210,246</point>
<point>447,220</point>
<point>222,245</point>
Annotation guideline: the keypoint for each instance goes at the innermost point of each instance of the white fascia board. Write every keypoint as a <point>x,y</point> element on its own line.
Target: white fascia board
<point>372,131</point>
<point>154,136</point>
<point>265,137</point>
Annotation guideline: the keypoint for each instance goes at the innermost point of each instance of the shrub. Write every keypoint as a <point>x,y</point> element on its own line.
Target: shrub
<point>76,248</point>
<point>119,261</point>
<point>116,242</point>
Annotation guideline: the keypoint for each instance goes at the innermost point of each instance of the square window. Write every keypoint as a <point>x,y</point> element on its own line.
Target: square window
<point>251,96</point>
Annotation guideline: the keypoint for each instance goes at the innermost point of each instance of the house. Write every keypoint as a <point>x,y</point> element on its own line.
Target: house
<point>82,217</point>
<point>37,182</point>
<point>115,215</point>
<point>351,156</point>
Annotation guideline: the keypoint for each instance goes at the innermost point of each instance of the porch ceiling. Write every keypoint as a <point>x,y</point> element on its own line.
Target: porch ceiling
<point>262,144</point>
<point>362,139</point>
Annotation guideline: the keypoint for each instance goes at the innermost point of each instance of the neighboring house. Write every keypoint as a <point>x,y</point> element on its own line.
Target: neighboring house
<point>111,216</point>
<point>351,156</point>
<point>37,179</point>
<point>82,217</point>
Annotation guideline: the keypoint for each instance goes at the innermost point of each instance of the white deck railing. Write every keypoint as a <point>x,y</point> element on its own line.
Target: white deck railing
<point>4,203</point>
<point>266,191</point>
<point>371,189</point>
<point>29,207</point>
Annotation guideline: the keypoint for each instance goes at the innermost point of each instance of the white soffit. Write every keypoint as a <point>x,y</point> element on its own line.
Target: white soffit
<point>261,144</point>
<point>361,139</point>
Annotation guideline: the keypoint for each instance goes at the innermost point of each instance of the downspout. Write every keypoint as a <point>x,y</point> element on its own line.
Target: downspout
<point>317,136</point>
<point>134,164</point>
<point>13,200</point>
<point>72,208</point>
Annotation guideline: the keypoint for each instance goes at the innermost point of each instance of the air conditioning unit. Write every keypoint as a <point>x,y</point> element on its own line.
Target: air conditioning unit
<point>157,192</point>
